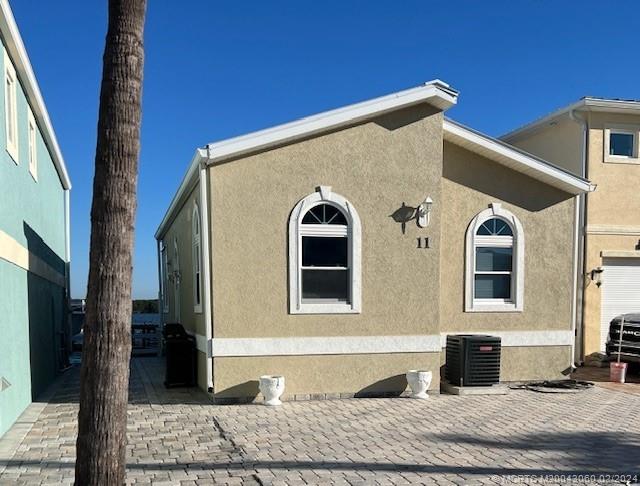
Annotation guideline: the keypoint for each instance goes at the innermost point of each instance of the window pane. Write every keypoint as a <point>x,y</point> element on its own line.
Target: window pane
<point>493,259</point>
<point>495,227</point>
<point>324,214</point>
<point>320,251</point>
<point>493,287</point>
<point>325,284</point>
<point>621,144</point>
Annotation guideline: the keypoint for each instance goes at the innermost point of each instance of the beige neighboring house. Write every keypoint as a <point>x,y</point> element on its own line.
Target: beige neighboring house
<point>339,250</point>
<point>597,139</point>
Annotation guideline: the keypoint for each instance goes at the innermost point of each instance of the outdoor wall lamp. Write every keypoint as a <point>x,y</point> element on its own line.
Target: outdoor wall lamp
<point>423,213</point>
<point>596,275</point>
<point>174,276</point>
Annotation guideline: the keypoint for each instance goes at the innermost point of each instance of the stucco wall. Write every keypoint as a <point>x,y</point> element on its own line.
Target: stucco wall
<point>181,230</point>
<point>617,183</point>
<point>194,322</point>
<point>31,308</point>
<point>470,183</point>
<point>377,166</point>
<point>560,143</point>
<point>356,374</point>
<point>615,208</point>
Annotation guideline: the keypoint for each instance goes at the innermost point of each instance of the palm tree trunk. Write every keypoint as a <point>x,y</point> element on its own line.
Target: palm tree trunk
<point>104,377</point>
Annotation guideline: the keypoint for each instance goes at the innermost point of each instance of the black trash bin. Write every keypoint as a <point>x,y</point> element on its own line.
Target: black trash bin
<point>180,351</point>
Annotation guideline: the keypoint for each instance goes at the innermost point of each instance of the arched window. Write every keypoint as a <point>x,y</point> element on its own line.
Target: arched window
<point>324,255</point>
<point>494,262</point>
<point>196,258</point>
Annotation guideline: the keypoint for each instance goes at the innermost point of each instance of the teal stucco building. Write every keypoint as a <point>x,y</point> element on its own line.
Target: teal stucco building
<point>34,234</point>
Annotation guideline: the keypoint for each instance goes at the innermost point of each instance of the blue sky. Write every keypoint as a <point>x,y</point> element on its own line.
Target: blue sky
<point>219,69</point>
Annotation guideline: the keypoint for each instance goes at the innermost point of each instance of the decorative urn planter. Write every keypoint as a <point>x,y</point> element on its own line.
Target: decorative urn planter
<point>272,387</point>
<point>419,381</point>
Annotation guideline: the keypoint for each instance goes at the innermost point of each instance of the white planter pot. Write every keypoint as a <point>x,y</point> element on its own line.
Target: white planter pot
<point>419,381</point>
<point>272,387</point>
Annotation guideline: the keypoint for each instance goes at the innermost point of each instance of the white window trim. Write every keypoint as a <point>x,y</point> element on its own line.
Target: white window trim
<point>32,142</point>
<point>516,303</point>
<point>621,159</point>
<point>296,306</point>
<point>9,71</point>
<point>165,279</point>
<point>196,254</point>
<point>177,291</point>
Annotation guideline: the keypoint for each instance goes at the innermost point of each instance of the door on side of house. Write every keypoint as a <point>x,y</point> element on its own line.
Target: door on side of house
<point>620,292</point>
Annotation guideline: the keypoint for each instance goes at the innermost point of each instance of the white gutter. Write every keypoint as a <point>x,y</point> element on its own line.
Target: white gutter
<point>18,54</point>
<point>436,93</point>
<point>189,181</point>
<point>514,158</point>
<point>585,104</point>
<point>206,258</point>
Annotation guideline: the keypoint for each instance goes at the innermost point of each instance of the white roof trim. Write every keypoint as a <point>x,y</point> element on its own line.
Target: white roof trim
<point>585,104</point>
<point>17,52</point>
<point>514,158</point>
<point>186,186</point>
<point>436,93</point>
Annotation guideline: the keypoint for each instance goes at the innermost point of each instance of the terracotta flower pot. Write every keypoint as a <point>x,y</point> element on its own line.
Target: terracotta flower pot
<point>419,381</point>
<point>272,387</point>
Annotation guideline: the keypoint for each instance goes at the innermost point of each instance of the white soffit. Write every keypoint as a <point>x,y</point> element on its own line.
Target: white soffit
<point>16,50</point>
<point>514,158</point>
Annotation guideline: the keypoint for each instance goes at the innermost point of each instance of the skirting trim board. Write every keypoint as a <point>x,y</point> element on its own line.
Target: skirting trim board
<point>427,343</point>
<point>13,252</point>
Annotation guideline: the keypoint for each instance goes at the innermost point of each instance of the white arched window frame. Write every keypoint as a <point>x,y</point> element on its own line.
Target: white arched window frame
<point>514,302</point>
<point>351,231</point>
<point>196,254</point>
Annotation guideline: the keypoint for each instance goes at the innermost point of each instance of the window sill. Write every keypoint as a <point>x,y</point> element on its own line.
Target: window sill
<point>324,309</point>
<point>487,307</point>
<point>13,153</point>
<point>619,159</point>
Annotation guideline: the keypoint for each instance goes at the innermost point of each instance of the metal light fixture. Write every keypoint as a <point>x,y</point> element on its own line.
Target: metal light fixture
<point>423,213</point>
<point>596,276</point>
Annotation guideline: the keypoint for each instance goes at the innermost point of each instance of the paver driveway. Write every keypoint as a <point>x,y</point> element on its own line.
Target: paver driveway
<point>177,437</point>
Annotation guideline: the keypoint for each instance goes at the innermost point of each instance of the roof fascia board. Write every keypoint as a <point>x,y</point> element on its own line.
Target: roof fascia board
<point>540,123</point>
<point>189,181</point>
<point>18,54</point>
<point>434,93</point>
<point>535,166</point>
<point>585,104</point>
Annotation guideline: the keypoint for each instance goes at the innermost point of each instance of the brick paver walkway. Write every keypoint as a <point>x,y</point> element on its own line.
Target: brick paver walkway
<point>178,437</point>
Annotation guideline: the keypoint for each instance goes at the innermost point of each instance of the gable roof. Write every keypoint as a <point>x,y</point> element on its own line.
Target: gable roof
<point>436,93</point>
<point>18,54</point>
<point>514,158</point>
<point>588,103</point>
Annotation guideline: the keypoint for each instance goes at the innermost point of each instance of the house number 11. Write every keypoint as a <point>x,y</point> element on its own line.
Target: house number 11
<point>423,242</point>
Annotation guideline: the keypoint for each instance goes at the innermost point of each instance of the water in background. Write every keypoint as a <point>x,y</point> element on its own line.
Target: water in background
<point>145,319</point>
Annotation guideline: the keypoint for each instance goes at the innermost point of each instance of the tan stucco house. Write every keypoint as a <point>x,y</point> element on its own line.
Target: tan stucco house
<point>598,138</point>
<point>339,250</point>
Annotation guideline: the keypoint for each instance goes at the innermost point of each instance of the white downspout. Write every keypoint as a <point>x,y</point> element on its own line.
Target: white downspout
<point>67,265</point>
<point>578,257</point>
<point>206,267</point>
